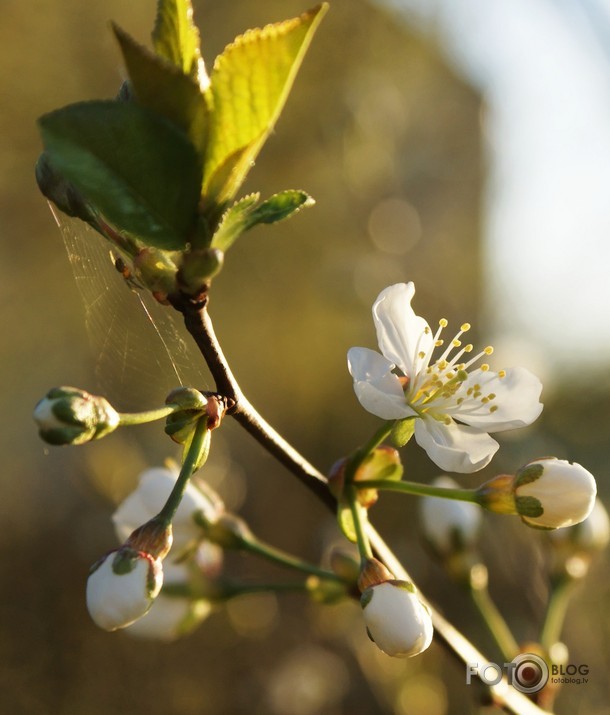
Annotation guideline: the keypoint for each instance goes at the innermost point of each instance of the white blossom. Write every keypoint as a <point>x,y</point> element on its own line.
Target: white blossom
<point>396,620</point>
<point>455,406</point>
<point>553,493</point>
<point>122,587</point>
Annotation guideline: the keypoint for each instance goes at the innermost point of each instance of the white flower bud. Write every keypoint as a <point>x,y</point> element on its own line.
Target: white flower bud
<point>450,526</point>
<point>396,620</point>
<point>148,499</point>
<point>171,616</point>
<point>552,493</point>
<point>122,586</point>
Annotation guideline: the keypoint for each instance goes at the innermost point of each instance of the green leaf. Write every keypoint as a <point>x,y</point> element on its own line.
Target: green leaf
<point>133,166</point>
<point>163,88</point>
<point>250,82</point>
<point>280,206</point>
<point>234,222</point>
<point>244,214</point>
<point>176,38</point>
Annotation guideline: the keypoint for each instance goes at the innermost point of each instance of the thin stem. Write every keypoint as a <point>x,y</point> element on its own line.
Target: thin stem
<point>140,418</point>
<point>199,325</point>
<point>556,613</point>
<point>426,490</point>
<point>200,442</point>
<point>284,559</point>
<point>360,521</point>
<point>495,622</point>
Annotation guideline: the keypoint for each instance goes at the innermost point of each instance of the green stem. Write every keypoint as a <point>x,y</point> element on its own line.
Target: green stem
<point>495,623</point>
<point>359,519</point>
<point>284,559</point>
<point>426,490</point>
<point>363,452</point>
<point>200,443</point>
<point>140,418</point>
<point>556,613</point>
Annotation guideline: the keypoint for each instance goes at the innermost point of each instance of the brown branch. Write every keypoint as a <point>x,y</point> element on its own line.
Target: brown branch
<point>199,325</point>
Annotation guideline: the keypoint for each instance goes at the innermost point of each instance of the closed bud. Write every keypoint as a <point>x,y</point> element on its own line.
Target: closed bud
<point>396,620</point>
<point>553,493</point>
<point>122,587</point>
<point>68,415</point>
<point>172,614</point>
<point>198,268</point>
<point>157,271</point>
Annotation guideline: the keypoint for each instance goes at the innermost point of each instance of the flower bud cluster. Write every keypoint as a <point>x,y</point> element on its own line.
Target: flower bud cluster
<point>124,588</point>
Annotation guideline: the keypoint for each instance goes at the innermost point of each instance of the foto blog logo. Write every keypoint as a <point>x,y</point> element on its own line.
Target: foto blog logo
<point>527,673</point>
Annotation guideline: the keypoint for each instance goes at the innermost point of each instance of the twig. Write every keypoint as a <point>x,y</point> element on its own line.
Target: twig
<point>199,325</point>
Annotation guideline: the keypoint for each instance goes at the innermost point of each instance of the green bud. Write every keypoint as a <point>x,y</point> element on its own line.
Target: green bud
<point>157,270</point>
<point>68,415</point>
<point>198,268</point>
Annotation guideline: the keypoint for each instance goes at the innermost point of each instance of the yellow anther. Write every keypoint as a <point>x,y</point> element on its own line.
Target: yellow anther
<point>468,348</point>
<point>491,396</point>
<point>465,327</point>
<point>488,350</point>
<point>427,330</point>
<point>456,343</point>
<point>443,322</point>
<point>484,367</point>
<point>421,354</point>
<point>502,373</point>
<point>438,343</point>
<point>493,408</point>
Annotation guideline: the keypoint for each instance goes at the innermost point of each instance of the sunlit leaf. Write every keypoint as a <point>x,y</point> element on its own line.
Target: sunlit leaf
<point>135,167</point>
<point>163,88</point>
<point>234,222</point>
<point>249,85</point>
<point>176,38</point>
<point>244,214</point>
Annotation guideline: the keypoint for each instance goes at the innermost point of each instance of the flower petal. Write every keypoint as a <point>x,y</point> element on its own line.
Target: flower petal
<point>400,333</point>
<point>517,400</point>
<point>377,388</point>
<point>454,447</point>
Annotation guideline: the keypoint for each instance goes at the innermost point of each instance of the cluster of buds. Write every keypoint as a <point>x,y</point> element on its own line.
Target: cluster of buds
<point>125,587</point>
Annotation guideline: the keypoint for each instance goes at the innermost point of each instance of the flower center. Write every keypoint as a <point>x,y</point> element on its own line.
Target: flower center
<point>432,390</point>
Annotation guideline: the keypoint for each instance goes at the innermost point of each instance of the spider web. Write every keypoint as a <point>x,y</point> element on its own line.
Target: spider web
<point>141,348</point>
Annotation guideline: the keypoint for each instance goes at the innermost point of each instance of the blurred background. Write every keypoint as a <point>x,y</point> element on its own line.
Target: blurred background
<point>462,145</point>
